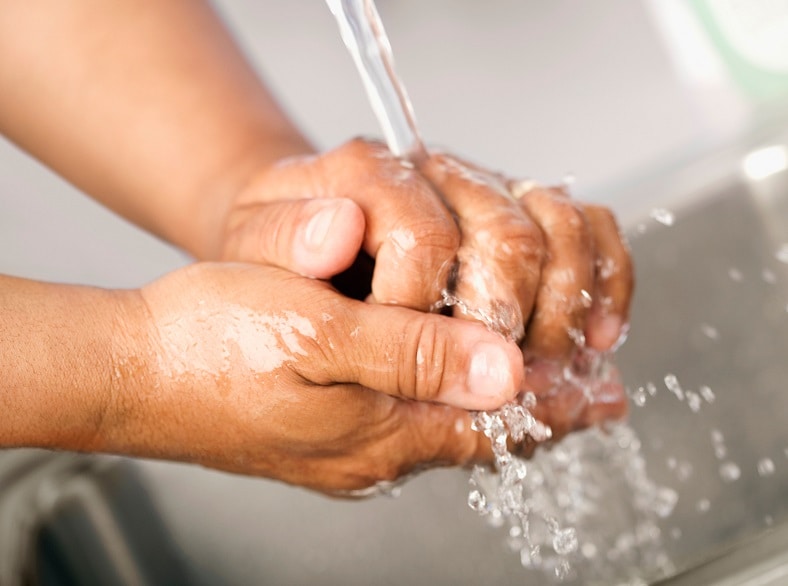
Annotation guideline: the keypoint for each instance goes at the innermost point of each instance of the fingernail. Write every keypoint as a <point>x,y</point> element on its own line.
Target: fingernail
<point>319,226</point>
<point>490,373</point>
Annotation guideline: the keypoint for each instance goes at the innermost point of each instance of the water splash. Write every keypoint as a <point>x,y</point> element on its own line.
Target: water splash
<point>663,216</point>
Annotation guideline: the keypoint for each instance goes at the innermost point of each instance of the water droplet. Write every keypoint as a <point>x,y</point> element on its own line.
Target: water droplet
<point>729,471</point>
<point>589,550</point>
<point>577,336</point>
<point>514,472</point>
<point>638,396</point>
<point>707,394</point>
<point>703,505</point>
<point>526,558</point>
<point>663,216</point>
<point>768,520</point>
<point>651,388</point>
<point>665,501</point>
<point>565,541</point>
<point>672,383</point>
<point>710,331</point>
<point>782,253</point>
<point>675,533</point>
<point>477,501</point>
<point>765,467</point>
<point>684,471</point>
<point>693,401</point>
<point>563,570</point>
<point>735,275</point>
<point>768,276</point>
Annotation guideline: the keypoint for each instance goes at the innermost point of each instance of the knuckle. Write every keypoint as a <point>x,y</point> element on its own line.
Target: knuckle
<point>520,239</point>
<point>361,147</point>
<point>427,357</point>
<point>435,238</point>
<point>572,218</point>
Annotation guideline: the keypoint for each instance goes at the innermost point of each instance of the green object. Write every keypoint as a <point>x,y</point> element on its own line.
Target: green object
<point>748,36</point>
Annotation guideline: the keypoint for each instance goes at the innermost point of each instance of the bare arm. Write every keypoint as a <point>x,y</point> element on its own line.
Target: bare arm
<point>56,365</point>
<point>146,105</point>
<point>199,367</point>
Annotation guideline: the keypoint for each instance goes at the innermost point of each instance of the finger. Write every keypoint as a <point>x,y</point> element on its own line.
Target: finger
<point>442,436</point>
<point>414,437</point>
<point>570,402</point>
<point>501,248</point>
<point>564,295</point>
<point>570,409</point>
<point>410,233</point>
<point>418,356</point>
<point>614,280</point>
<point>313,237</point>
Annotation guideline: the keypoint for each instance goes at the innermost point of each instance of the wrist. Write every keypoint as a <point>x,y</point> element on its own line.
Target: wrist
<point>55,377</point>
<point>132,376</point>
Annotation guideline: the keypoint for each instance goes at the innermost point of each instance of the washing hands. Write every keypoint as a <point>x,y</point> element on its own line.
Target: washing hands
<point>306,344</point>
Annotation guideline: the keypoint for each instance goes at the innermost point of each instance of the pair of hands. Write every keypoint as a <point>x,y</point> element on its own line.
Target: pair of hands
<point>289,378</point>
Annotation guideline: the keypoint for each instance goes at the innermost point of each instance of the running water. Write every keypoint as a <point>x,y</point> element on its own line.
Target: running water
<point>559,506</point>
<point>364,36</point>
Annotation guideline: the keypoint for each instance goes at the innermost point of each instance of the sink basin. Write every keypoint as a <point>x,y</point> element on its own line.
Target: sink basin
<point>711,309</point>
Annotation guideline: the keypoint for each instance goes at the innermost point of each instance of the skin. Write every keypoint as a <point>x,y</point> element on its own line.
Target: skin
<point>179,135</point>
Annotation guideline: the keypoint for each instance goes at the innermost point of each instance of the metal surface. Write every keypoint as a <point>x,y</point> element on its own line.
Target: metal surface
<point>75,520</point>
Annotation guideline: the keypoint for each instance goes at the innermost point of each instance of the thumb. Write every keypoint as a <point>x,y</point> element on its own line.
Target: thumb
<point>425,357</point>
<point>313,237</point>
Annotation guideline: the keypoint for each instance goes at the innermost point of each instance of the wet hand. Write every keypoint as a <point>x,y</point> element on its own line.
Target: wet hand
<point>534,257</point>
<point>254,370</point>
<point>314,215</point>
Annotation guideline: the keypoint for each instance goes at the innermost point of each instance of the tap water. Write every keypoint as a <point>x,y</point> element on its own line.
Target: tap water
<point>365,38</point>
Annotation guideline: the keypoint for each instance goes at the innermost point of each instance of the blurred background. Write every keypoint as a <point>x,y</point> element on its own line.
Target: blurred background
<point>619,93</point>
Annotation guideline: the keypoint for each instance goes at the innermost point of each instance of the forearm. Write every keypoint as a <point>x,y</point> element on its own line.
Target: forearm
<point>148,106</point>
<point>60,349</point>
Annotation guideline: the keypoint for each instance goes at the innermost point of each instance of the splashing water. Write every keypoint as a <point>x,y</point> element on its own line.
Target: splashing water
<point>663,216</point>
<point>557,505</point>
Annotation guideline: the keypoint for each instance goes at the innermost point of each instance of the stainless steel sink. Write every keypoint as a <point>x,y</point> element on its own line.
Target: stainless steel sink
<point>711,308</point>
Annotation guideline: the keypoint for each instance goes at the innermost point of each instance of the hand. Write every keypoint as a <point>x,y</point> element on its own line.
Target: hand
<point>572,284</point>
<point>522,253</point>
<point>255,370</point>
<point>533,258</point>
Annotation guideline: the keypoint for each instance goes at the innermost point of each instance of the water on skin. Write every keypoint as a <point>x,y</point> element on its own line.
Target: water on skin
<point>260,342</point>
<point>403,241</point>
